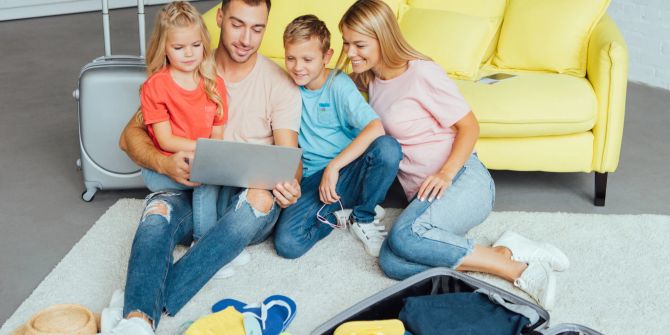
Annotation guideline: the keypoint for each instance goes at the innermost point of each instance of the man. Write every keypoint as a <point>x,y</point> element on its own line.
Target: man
<point>264,107</point>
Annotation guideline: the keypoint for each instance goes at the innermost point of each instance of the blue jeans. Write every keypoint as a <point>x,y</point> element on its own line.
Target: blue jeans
<point>204,199</point>
<point>154,284</point>
<point>433,234</point>
<point>361,186</point>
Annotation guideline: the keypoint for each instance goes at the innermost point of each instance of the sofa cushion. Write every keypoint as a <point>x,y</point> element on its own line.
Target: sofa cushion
<point>492,9</point>
<point>532,104</point>
<point>548,35</point>
<point>483,8</point>
<point>457,42</point>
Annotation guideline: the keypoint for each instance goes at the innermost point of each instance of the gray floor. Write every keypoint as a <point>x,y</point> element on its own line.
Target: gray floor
<point>41,212</point>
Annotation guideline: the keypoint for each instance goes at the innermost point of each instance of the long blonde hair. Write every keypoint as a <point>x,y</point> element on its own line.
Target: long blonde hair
<point>375,19</point>
<point>179,14</point>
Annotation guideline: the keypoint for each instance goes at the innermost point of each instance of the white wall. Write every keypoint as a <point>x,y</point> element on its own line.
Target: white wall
<point>645,25</point>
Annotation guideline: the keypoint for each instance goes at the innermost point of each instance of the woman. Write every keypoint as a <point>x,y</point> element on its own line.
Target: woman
<point>449,189</point>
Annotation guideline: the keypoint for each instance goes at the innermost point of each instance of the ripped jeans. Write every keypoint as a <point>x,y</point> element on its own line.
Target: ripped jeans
<point>203,196</point>
<point>154,284</point>
<point>432,234</point>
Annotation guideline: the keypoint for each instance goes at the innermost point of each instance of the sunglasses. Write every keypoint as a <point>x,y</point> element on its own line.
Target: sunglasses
<point>341,224</point>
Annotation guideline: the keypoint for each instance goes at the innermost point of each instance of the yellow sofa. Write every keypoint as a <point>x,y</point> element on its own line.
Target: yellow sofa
<point>564,110</point>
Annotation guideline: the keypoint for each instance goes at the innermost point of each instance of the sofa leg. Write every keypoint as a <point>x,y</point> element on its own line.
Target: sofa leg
<point>601,188</point>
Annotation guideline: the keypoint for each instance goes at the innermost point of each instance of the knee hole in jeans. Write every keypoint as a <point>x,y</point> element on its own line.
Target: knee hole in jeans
<point>260,201</point>
<point>157,207</point>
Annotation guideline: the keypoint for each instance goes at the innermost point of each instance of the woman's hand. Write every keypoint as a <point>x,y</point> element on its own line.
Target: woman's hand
<point>433,187</point>
<point>327,188</point>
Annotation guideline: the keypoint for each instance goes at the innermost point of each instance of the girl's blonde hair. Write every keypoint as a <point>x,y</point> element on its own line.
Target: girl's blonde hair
<point>180,14</point>
<point>375,19</point>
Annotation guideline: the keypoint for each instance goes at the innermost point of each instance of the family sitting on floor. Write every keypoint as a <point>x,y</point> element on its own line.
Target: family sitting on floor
<point>415,126</point>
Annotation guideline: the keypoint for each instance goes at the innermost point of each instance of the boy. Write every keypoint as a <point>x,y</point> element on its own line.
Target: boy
<point>347,159</point>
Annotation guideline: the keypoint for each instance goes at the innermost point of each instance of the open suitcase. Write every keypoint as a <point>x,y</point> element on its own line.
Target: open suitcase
<point>108,96</point>
<point>388,303</point>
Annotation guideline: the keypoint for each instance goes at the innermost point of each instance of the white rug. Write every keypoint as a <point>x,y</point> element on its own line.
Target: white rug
<point>617,283</point>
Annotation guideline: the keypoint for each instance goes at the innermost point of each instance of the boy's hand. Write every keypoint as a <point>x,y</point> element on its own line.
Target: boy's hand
<point>327,188</point>
<point>433,187</point>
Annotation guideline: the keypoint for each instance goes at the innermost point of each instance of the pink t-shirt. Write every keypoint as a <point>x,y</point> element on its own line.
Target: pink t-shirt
<point>419,108</point>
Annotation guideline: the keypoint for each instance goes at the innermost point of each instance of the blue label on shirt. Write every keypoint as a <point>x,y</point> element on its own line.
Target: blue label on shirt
<point>323,106</point>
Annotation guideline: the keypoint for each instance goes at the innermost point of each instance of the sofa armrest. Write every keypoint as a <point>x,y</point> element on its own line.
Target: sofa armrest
<point>607,70</point>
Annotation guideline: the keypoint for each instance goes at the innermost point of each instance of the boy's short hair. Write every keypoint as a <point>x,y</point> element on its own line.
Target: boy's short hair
<point>305,27</point>
<point>224,3</point>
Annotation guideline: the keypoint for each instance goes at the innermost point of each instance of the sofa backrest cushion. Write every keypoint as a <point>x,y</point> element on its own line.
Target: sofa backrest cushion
<point>284,11</point>
<point>457,42</point>
<point>484,8</point>
<point>493,9</point>
<point>548,35</point>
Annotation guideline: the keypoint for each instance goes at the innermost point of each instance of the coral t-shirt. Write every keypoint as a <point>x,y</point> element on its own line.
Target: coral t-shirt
<point>419,108</point>
<point>190,112</point>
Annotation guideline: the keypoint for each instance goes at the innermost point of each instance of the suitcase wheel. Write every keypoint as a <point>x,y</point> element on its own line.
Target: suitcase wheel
<point>89,194</point>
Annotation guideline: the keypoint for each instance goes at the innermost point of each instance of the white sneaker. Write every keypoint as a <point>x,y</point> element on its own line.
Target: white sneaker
<point>371,234</point>
<point>228,270</point>
<point>112,314</point>
<point>539,282</point>
<point>526,250</point>
<point>343,215</point>
<point>132,326</point>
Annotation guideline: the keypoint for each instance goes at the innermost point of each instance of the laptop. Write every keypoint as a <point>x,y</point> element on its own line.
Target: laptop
<point>241,164</point>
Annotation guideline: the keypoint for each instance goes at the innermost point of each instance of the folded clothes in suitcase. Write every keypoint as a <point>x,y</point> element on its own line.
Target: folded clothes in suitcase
<point>388,303</point>
<point>108,96</point>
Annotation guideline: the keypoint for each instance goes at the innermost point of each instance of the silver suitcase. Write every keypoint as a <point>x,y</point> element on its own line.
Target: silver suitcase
<point>108,96</point>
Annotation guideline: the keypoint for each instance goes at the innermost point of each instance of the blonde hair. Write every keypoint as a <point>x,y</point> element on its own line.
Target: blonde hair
<point>180,14</point>
<point>305,27</point>
<point>375,19</point>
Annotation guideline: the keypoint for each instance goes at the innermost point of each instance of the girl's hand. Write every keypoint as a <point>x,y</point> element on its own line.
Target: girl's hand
<point>433,187</point>
<point>327,192</point>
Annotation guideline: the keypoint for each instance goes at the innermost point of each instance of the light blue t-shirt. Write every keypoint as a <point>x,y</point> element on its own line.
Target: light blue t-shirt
<point>331,118</point>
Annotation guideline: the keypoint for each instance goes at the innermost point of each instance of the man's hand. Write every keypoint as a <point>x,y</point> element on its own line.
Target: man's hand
<point>327,191</point>
<point>178,167</point>
<point>287,194</point>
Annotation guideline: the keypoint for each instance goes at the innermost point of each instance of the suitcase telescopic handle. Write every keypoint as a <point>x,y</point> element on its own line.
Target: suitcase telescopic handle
<point>105,27</point>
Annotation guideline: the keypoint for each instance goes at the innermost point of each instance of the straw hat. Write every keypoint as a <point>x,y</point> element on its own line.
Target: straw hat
<point>64,319</point>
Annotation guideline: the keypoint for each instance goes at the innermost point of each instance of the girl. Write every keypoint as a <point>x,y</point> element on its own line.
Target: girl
<point>183,99</point>
<point>450,190</point>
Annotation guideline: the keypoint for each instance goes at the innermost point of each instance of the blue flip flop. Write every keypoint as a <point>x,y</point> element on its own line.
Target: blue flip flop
<point>274,314</point>
<point>277,312</point>
<point>241,307</point>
